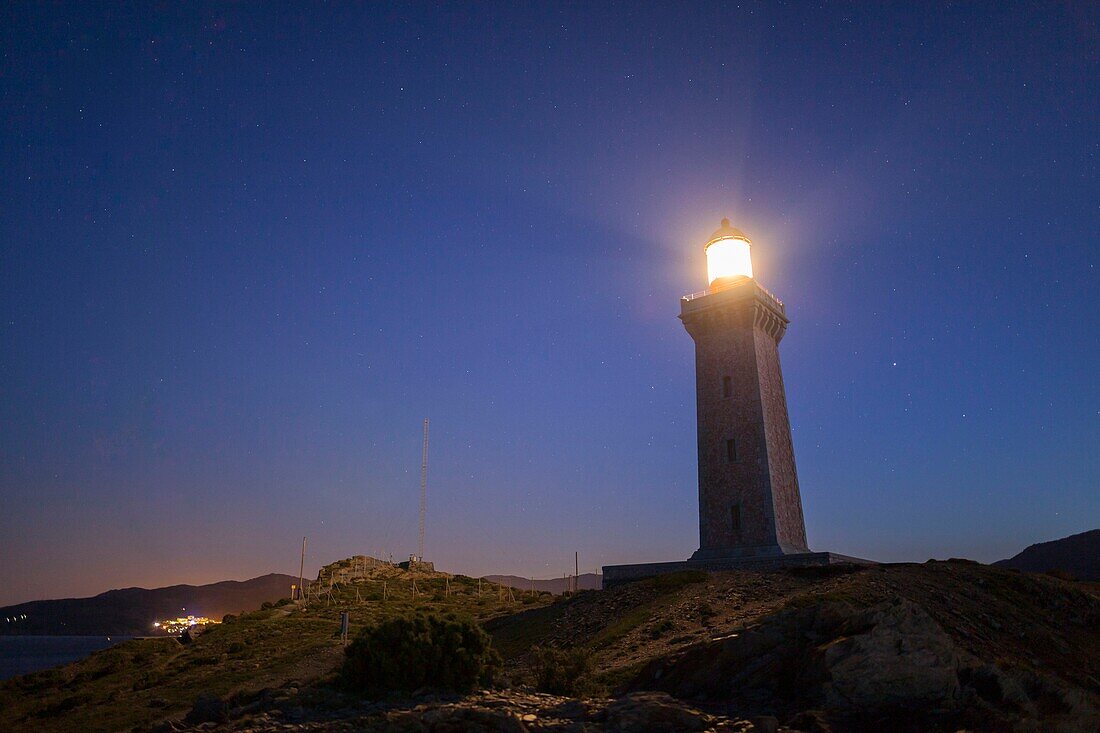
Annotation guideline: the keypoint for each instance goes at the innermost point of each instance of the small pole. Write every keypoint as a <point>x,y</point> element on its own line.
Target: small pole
<point>344,627</point>
<point>576,570</point>
<point>479,587</point>
<point>302,567</point>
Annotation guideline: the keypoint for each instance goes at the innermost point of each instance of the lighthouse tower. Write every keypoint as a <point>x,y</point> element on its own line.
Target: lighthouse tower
<point>749,505</point>
<point>750,511</point>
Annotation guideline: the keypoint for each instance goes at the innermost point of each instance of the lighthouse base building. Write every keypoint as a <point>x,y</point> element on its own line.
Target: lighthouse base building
<point>750,509</point>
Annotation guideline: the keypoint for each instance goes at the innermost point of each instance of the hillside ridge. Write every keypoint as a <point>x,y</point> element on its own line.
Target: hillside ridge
<point>1078,555</point>
<point>132,611</point>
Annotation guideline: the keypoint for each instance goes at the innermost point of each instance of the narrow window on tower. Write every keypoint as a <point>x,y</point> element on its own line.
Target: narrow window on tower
<point>727,387</point>
<point>731,450</point>
<point>735,520</point>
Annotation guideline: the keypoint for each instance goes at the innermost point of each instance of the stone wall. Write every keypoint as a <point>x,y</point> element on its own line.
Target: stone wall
<point>790,527</point>
<point>614,575</point>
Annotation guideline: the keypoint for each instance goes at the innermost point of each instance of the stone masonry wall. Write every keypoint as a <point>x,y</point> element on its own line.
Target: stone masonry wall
<point>736,333</point>
<point>725,348</point>
<point>790,527</point>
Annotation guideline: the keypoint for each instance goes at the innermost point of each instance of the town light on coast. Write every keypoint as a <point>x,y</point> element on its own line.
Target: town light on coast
<point>727,254</point>
<point>178,625</point>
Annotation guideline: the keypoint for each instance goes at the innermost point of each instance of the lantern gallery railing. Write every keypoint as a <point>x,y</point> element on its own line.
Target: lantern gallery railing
<point>701,293</point>
<point>693,296</point>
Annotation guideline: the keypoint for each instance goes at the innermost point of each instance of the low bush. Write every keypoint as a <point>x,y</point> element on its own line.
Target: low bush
<point>406,653</point>
<point>561,671</point>
<point>35,681</point>
<point>660,629</point>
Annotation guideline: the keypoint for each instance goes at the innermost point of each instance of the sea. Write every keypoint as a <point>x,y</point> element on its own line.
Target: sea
<point>23,654</point>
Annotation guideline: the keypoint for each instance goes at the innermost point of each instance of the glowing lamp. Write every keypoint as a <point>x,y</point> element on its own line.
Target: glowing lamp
<point>727,254</point>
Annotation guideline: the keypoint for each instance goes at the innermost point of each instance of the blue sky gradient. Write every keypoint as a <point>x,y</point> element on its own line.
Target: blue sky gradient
<point>245,250</point>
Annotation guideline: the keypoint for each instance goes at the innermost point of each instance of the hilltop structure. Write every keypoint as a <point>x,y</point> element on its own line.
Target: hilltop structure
<point>750,509</point>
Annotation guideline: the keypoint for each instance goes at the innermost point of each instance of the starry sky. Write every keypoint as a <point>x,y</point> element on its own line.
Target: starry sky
<point>246,249</point>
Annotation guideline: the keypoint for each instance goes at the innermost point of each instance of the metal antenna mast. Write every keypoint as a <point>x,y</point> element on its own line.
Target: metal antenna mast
<point>423,493</point>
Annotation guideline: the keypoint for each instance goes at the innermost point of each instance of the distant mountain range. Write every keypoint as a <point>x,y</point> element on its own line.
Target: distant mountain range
<point>132,611</point>
<point>587,581</point>
<point>1077,554</point>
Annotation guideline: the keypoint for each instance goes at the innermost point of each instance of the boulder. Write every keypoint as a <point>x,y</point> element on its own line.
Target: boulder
<point>458,718</point>
<point>208,709</point>
<point>642,712</point>
<point>765,724</point>
<point>903,659</point>
<point>833,655</point>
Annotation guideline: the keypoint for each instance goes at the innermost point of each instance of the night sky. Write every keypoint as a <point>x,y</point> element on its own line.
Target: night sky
<point>246,250</point>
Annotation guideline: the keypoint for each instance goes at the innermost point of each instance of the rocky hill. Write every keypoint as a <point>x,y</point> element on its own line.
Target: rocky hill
<point>938,646</point>
<point>132,611</point>
<point>941,646</point>
<point>1077,555</point>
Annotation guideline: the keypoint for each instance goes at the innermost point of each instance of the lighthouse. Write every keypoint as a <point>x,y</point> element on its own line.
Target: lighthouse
<point>749,504</point>
<point>750,508</point>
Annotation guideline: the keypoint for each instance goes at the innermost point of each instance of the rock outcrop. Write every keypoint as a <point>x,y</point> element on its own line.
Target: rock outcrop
<point>890,656</point>
<point>867,667</point>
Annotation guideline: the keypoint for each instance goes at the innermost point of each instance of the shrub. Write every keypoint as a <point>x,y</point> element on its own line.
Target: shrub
<point>205,660</point>
<point>561,671</point>
<point>266,606</point>
<point>228,618</point>
<point>662,628</point>
<point>405,653</point>
<point>43,680</point>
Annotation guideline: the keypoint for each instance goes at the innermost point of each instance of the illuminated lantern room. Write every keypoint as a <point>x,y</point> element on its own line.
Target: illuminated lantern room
<point>727,254</point>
